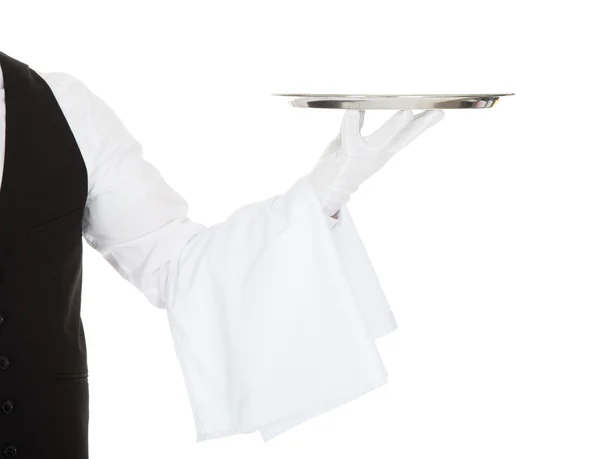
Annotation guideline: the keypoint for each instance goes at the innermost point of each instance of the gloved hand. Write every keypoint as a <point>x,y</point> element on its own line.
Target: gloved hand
<point>350,158</point>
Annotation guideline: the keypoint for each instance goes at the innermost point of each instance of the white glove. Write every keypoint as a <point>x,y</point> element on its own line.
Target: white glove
<point>350,158</point>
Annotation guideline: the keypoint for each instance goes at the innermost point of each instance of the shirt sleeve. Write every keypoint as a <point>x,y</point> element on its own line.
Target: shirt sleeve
<point>273,312</point>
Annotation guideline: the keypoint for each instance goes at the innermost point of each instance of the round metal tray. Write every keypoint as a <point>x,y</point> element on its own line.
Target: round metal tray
<point>394,101</point>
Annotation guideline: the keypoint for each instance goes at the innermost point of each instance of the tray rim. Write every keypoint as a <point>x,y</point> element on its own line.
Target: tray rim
<point>394,101</point>
<point>425,96</point>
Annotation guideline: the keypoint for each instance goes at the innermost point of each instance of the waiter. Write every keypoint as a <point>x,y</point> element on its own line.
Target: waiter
<point>273,312</point>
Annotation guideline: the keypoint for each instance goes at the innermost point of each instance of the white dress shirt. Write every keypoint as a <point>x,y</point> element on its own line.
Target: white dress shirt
<point>273,312</point>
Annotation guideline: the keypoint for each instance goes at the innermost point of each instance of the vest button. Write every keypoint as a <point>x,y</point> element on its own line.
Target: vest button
<point>1,319</point>
<point>7,407</point>
<point>4,362</point>
<point>10,450</point>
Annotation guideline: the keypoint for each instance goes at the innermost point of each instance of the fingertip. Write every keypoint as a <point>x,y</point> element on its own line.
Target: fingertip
<point>353,116</point>
<point>400,119</point>
<point>428,118</point>
<point>352,123</point>
<point>436,116</point>
<point>404,115</point>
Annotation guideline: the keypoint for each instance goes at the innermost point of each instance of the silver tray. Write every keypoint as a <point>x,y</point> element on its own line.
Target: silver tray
<point>394,101</point>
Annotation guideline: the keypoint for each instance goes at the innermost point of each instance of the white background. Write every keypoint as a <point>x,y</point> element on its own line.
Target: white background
<point>485,232</point>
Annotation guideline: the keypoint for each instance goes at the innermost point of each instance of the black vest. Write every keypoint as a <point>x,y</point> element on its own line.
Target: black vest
<point>44,397</point>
